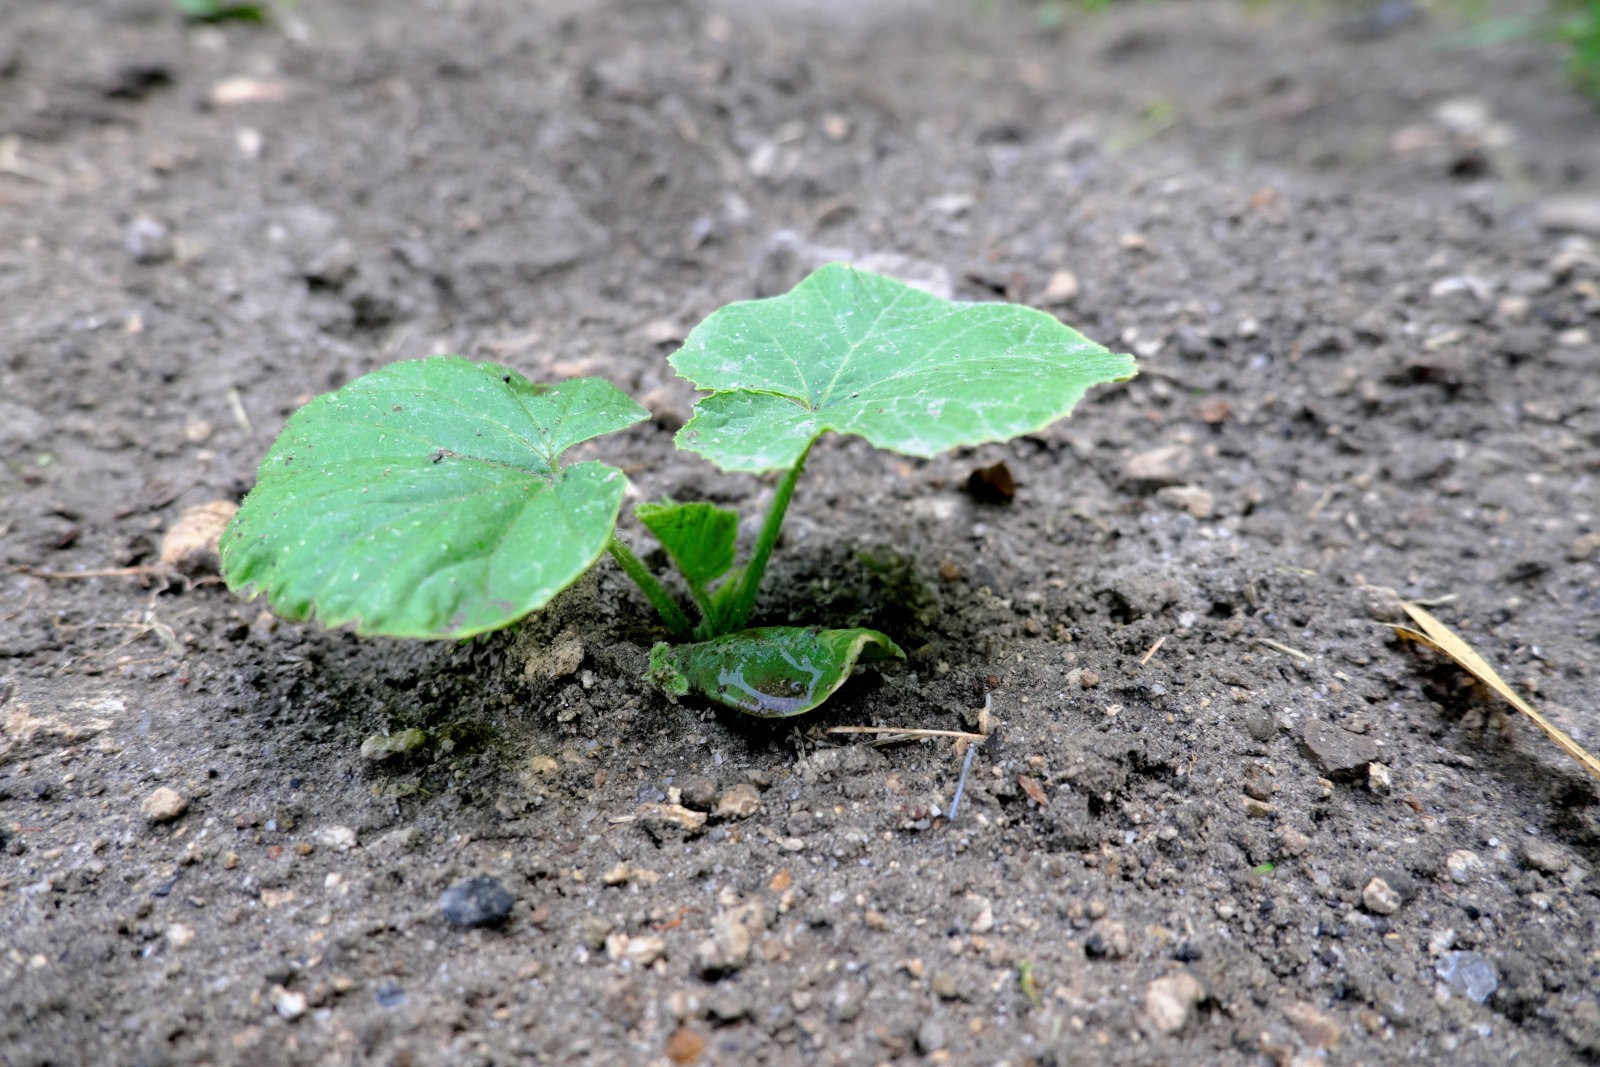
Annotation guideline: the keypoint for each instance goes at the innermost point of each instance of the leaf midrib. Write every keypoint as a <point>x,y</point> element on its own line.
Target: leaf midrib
<point>872,326</point>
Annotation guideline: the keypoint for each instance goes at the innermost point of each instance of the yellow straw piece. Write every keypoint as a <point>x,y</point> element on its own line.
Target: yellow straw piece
<point>1436,635</point>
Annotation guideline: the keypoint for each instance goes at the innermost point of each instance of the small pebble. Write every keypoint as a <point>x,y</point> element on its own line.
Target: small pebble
<point>698,792</point>
<point>645,950</point>
<point>1585,546</point>
<point>1261,724</point>
<point>289,1004</point>
<point>1471,973</point>
<point>732,935</point>
<point>844,1003</point>
<point>231,92</point>
<point>1316,1027</point>
<point>930,1036</point>
<point>164,805</point>
<point>148,240</point>
<point>979,911</point>
<point>594,931</point>
<point>379,747</point>
<point>396,843</point>
<point>179,935</point>
<point>1380,897</point>
<point>641,951</point>
<point>1108,939</point>
<point>1463,866</point>
<point>1544,857</point>
<point>479,901</point>
<point>190,544</point>
<point>1191,498</point>
<point>685,1045</point>
<point>560,659</point>
<point>739,802</point>
<point>1337,752</point>
<point>946,985</point>
<point>1169,1001</point>
<point>1061,289</point>
<point>339,838</point>
<point>728,1005</point>
<point>1580,214</point>
<point>1159,466</point>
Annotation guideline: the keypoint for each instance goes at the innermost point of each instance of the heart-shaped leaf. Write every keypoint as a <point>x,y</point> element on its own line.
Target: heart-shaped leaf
<point>426,499</point>
<point>772,671</point>
<point>699,537</point>
<point>855,352</point>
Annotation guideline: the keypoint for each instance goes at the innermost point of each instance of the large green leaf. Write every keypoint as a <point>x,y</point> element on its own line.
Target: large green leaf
<point>427,499</point>
<point>855,352</point>
<point>771,671</point>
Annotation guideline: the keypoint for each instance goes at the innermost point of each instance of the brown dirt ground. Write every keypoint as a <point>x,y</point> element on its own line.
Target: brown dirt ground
<point>1367,366</point>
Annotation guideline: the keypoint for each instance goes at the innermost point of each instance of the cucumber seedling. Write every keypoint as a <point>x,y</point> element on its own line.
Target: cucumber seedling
<point>429,499</point>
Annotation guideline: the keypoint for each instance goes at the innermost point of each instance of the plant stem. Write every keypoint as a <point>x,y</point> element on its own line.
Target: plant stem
<point>654,591</point>
<point>750,581</point>
<point>702,598</point>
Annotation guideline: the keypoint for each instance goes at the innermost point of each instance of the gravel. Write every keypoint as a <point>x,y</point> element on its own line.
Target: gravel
<point>478,901</point>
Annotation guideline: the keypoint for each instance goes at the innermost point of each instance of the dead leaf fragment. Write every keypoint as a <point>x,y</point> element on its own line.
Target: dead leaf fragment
<point>1034,790</point>
<point>1439,637</point>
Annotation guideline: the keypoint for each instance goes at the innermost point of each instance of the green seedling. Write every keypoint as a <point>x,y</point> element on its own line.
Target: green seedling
<point>221,10</point>
<point>429,498</point>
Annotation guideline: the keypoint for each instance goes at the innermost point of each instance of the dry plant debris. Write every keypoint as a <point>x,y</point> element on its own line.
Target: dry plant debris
<point>1439,637</point>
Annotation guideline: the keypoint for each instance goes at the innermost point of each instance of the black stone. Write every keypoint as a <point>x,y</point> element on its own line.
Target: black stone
<point>480,901</point>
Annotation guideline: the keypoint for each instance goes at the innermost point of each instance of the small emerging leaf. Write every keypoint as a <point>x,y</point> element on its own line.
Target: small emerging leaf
<point>772,671</point>
<point>426,499</point>
<point>855,352</point>
<point>699,537</point>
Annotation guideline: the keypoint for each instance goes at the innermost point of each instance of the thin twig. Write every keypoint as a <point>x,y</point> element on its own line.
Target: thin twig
<point>961,784</point>
<point>1285,649</point>
<point>1144,659</point>
<point>240,415</point>
<point>97,572</point>
<point>907,732</point>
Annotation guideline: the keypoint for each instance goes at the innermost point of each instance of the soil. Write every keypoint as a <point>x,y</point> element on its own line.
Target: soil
<point>1223,813</point>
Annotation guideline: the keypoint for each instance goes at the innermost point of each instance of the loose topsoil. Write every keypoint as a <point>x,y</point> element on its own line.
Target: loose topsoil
<point>1223,814</point>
